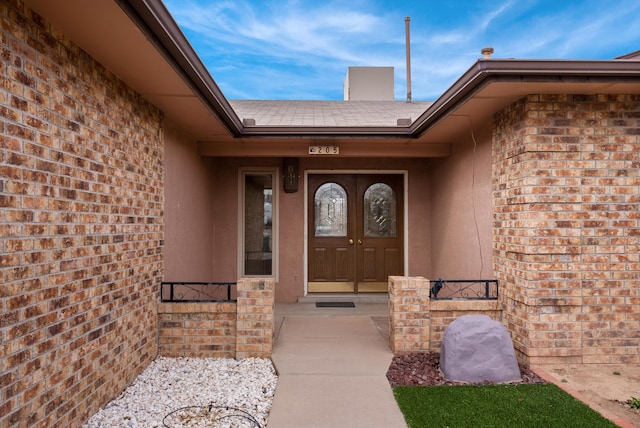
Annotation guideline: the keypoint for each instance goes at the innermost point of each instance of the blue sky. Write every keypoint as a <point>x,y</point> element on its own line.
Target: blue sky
<point>301,49</point>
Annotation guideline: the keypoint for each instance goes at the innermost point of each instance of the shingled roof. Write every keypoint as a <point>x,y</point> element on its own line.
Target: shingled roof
<point>140,42</point>
<point>329,113</point>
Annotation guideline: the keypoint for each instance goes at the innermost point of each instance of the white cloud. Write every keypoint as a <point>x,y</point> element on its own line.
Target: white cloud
<point>489,17</point>
<point>301,49</point>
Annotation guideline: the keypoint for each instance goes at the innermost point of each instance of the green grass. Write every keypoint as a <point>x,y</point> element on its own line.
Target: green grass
<point>543,405</point>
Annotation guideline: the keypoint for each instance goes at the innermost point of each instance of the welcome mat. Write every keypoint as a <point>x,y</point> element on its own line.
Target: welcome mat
<point>335,305</point>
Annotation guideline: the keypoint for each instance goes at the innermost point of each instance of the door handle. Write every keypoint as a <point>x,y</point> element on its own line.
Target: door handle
<point>350,241</point>
<point>359,241</point>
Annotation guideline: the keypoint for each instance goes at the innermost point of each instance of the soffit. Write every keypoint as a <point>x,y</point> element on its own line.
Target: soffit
<point>107,33</point>
<point>494,95</point>
<point>159,64</point>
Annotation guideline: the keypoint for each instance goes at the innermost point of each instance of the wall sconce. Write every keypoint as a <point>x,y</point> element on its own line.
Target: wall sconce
<point>290,177</point>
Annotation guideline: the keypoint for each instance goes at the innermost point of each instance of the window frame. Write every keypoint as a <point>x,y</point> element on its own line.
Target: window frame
<point>275,194</point>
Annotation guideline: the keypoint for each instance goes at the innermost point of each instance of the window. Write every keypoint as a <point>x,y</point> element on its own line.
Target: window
<point>330,203</point>
<point>380,211</point>
<point>258,224</point>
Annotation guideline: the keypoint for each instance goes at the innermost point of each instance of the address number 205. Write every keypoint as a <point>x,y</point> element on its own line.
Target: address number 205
<point>324,150</point>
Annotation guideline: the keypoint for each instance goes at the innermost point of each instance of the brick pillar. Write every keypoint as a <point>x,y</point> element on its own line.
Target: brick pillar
<point>409,320</point>
<point>255,318</point>
<point>567,229</point>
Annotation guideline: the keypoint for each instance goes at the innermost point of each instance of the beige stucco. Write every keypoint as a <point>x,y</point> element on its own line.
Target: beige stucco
<point>461,208</point>
<point>442,239</point>
<point>189,220</point>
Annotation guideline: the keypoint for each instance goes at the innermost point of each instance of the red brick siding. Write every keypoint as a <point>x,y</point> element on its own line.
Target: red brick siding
<point>444,312</point>
<point>203,330</point>
<point>239,329</point>
<point>417,323</point>
<point>81,228</point>
<point>256,317</point>
<point>566,201</point>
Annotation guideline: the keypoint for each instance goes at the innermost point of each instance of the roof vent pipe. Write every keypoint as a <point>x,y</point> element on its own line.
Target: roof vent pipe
<point>486,52</point>
<point>406,26</point>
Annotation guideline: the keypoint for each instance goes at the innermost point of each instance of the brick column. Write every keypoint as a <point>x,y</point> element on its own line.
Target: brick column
<point>255,318</point>
<point>566,234</point>
<point>409,320</point>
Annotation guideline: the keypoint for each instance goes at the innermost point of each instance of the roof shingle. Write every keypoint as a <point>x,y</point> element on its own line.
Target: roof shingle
<point>328,113</point>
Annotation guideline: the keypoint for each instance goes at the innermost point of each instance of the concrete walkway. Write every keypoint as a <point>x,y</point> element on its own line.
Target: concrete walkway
<point>332,365</point>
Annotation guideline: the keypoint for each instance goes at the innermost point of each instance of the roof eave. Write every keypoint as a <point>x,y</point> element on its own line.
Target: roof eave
<point>485,71</point>
<point>153,18</point>
<point>328,131</point>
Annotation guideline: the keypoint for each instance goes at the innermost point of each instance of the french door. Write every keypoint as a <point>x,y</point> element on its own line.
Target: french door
<point>355,232</point>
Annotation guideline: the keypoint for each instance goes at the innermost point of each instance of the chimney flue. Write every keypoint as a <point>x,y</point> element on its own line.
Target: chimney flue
<point>406,26</point>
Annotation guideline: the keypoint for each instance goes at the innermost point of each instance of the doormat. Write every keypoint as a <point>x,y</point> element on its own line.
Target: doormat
<point>335,305</point>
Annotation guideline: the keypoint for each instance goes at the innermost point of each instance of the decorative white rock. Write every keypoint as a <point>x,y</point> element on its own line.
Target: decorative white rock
<point>477,349</point>
<point>169,384</point>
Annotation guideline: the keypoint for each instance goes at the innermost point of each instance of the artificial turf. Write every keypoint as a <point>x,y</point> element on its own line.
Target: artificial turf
<point>539,405</point>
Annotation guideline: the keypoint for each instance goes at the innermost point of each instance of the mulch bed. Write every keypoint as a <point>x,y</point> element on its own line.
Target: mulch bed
<point>423,369</point>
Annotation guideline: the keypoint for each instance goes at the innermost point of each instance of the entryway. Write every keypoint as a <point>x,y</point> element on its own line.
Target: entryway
<point>355,232</point>
<point>332,366</point>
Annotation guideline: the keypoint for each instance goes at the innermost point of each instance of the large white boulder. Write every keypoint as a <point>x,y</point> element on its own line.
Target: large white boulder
<point>477,349</point>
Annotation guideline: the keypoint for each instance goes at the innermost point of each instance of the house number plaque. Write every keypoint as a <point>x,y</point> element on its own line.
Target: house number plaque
<point>324,150</point>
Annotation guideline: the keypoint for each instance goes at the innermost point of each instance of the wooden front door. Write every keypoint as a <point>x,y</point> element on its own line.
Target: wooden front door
<point>355,232</point>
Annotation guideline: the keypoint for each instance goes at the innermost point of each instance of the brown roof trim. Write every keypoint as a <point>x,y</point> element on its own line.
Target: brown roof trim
<point>155,21</point>
<point>486,71</point>
<point>631,55</point>
<point>153,18</point>
<point>328,131</point>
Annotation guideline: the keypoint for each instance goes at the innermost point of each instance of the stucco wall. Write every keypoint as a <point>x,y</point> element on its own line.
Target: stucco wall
<point>290,283</point>
<point>189,210</point>
<point>81,228</point>
<point>461,209</point>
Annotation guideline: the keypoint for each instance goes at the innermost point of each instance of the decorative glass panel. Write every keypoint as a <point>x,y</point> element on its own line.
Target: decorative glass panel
<point>258,221</point>
<point>330,210</point>
<point>380,211</point>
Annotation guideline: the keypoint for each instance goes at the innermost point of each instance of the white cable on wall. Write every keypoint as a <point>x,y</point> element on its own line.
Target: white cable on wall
<point>473,201</point>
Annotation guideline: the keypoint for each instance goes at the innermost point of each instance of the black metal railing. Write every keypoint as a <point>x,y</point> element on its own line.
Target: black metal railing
<point>197,291</point>
<point>478,289</point>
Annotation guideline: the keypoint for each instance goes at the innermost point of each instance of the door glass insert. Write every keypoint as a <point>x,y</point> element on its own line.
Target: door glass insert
<point>330,203</point>
<point>380,211</point>
<point>258,222</point>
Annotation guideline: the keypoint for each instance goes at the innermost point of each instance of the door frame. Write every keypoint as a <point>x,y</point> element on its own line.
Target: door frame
<point>405,214</point>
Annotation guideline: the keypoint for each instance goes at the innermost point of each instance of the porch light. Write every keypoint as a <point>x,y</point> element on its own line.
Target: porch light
<point>290,176</point>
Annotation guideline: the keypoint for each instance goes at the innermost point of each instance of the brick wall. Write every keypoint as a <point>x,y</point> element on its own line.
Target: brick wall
<point>256,317</point>
<point>566,234</point>
<point>444,312</point>
<point>409,322</point>
<point>81,229</point>
<point>221,330</point>
<point>202,330</point>
<point>417,323</point>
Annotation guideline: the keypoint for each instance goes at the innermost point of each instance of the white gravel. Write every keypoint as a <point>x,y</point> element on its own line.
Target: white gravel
<point>206,385</point>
